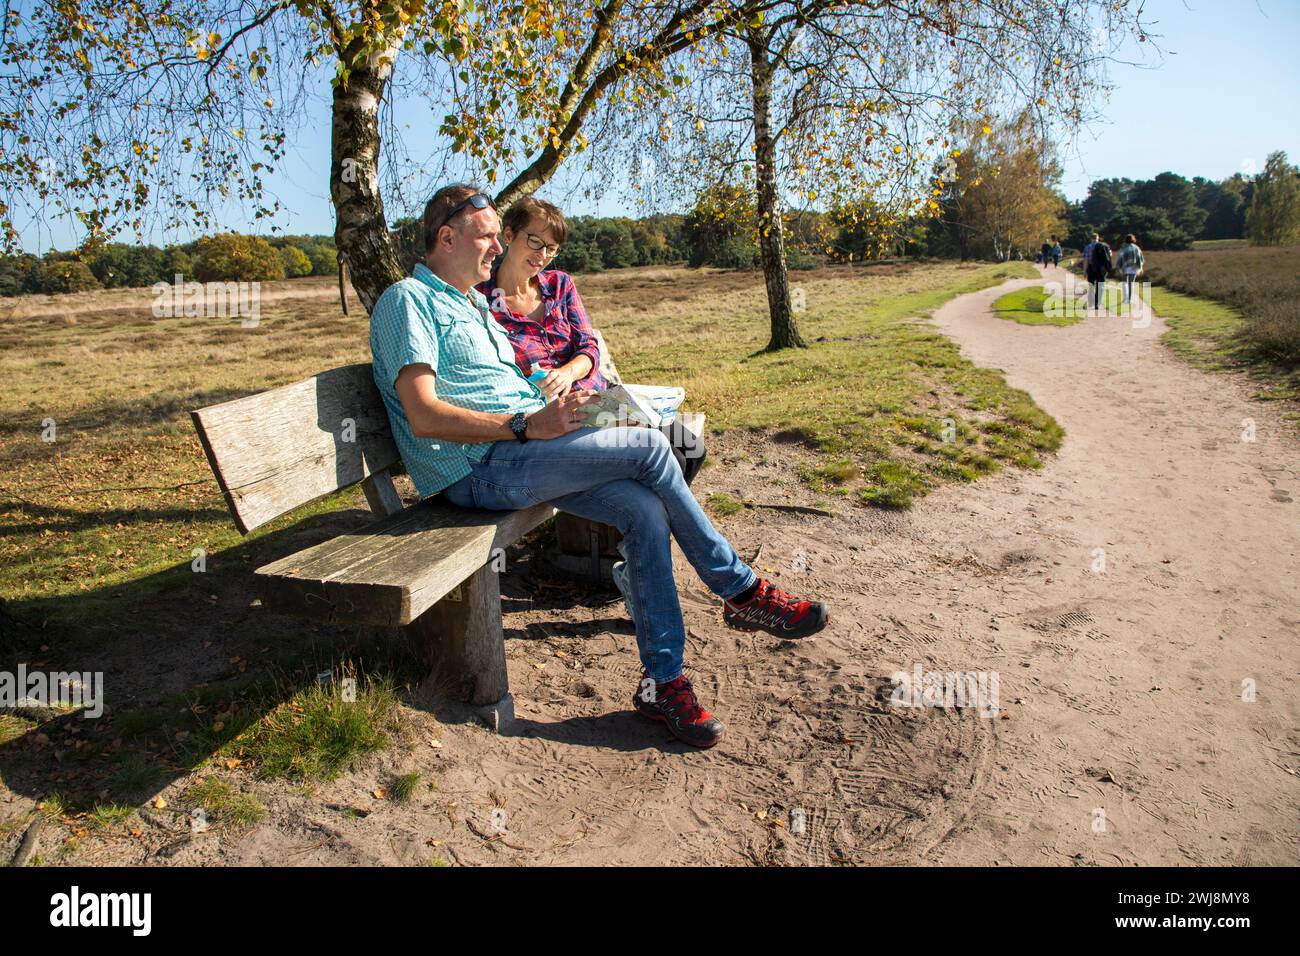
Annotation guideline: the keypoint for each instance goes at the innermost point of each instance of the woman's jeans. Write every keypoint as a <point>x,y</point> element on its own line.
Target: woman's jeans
<point>625,477</point>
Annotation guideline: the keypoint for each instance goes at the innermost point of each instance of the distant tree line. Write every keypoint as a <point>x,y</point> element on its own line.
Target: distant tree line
<point>997,200</point>
<point>1170,212</point>
<point>226,257</point>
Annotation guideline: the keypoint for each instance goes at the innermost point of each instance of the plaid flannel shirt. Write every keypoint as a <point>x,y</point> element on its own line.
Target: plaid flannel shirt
<point>562,333</point>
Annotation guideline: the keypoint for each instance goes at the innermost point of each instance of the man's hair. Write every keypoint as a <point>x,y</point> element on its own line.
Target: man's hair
<point>1132,238</point>
<point>524,210</point>
<point>444,201</point>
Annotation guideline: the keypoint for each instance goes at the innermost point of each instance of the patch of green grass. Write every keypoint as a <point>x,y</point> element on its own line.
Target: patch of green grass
<point>892,485</point>
<point>724,504</point>
<point>402,789</point>
<point>1033,306</point>
<point>105,815</point>
<point>1210,336</point>
<point>875,377</point>
<point>135,774</point>
<point>834,472</point>
<point>223,806</point>
<point>317,734</point>
<point>12,727</point>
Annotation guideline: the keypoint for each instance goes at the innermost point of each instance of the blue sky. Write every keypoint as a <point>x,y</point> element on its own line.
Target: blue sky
<point>1226,94</point>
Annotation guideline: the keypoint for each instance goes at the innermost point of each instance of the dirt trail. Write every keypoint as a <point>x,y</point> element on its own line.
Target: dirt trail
<point>1122,735</point>
<point>1132,679</point>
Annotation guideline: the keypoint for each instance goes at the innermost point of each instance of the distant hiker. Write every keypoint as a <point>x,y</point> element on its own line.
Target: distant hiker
<point>1047,253</point>
<point>1056,252</point>
<point>1129,262</point>
<point>1096,267</point>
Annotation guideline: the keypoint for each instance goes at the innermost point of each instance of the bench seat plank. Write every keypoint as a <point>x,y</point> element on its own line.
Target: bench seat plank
<point>392,571</point>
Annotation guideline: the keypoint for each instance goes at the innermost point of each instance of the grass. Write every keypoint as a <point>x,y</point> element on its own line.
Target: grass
<point>403,787</point>
<point>317,734</point>
<point>222,806</point>
<point>724,504</point>
<point>1033,306</point>
<point>1211,336</point>
<point>873,369</point>
<point>107,815</point>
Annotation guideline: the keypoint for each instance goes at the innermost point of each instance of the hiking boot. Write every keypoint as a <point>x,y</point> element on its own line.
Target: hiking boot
<point>773,610</point>
<point>675,704</point>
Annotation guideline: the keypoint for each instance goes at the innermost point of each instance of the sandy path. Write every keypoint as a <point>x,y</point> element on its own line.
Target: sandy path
<point>1136,674</point>
<point>1123,737</point>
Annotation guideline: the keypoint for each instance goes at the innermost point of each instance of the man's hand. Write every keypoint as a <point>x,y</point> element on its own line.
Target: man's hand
<point>561,416</point>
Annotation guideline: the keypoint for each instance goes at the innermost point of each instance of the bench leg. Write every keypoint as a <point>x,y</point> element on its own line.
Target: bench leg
<point>461,639</point>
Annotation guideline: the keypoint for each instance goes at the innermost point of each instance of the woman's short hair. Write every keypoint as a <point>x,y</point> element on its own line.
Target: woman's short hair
<point>522,211</point>
<point>1130,238</point>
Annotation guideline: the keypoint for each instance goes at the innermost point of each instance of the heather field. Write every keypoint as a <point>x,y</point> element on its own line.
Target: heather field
<point>1260,282</point>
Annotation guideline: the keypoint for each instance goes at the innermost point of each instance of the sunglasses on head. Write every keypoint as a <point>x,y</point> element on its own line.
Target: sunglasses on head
<point>478,201</point>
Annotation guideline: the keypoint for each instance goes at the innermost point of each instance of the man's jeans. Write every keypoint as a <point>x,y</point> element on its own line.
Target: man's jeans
<point>626,477</point>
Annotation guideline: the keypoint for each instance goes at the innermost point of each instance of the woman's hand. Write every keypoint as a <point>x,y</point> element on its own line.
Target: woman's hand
<point>562,416</point>
<point>557,384</point>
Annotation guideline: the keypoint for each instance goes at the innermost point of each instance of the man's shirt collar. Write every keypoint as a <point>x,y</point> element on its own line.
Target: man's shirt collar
<point>430,278</point>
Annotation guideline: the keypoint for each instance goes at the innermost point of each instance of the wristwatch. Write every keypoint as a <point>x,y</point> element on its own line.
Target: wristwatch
<point>519,425</point>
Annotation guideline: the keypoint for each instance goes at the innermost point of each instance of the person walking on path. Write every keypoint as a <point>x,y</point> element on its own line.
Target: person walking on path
<point>1129,262</point>
<point>1056,252</point>
<point>1096,267</point>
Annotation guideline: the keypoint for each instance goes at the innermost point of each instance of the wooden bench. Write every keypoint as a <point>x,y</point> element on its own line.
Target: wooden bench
<point>427,569</point>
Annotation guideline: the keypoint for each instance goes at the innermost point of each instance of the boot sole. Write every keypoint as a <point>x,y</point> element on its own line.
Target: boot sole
<point>659,718</point>
<point>748,626</point>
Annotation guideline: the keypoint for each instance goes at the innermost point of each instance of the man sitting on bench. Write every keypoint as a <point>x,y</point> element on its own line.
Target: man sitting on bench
<point>470,425</point>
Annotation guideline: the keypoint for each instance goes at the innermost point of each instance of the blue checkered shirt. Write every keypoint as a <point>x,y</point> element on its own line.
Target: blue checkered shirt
<point>424,320</point>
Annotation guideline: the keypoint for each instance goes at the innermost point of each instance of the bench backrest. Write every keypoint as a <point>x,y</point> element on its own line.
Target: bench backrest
<point>282,448</point>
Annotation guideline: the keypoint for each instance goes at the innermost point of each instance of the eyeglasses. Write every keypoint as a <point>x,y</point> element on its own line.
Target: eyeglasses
<point>535,243</point>
<point>478,201</point>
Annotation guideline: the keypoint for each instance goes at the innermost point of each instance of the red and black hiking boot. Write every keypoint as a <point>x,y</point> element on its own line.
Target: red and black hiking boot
<point>675,704</point>
<point>773,610</point>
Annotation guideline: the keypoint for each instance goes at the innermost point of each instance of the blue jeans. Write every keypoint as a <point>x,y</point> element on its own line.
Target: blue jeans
<point>628,478</point>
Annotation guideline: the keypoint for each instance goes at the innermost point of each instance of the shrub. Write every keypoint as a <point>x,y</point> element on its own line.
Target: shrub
<point>230,257</point>
<point>124,266</point>
<point>295,261</point>
<point>66,275</point>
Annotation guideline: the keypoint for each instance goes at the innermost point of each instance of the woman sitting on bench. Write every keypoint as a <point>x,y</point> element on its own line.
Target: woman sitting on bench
<point>543,315</point>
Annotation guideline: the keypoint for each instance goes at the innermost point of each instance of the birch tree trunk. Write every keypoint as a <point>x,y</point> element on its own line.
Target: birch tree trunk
<point>771,238</point>
<point>360,227</point>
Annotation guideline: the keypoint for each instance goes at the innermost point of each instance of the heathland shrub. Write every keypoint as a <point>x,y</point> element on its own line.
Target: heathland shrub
<point>1261,282</point>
